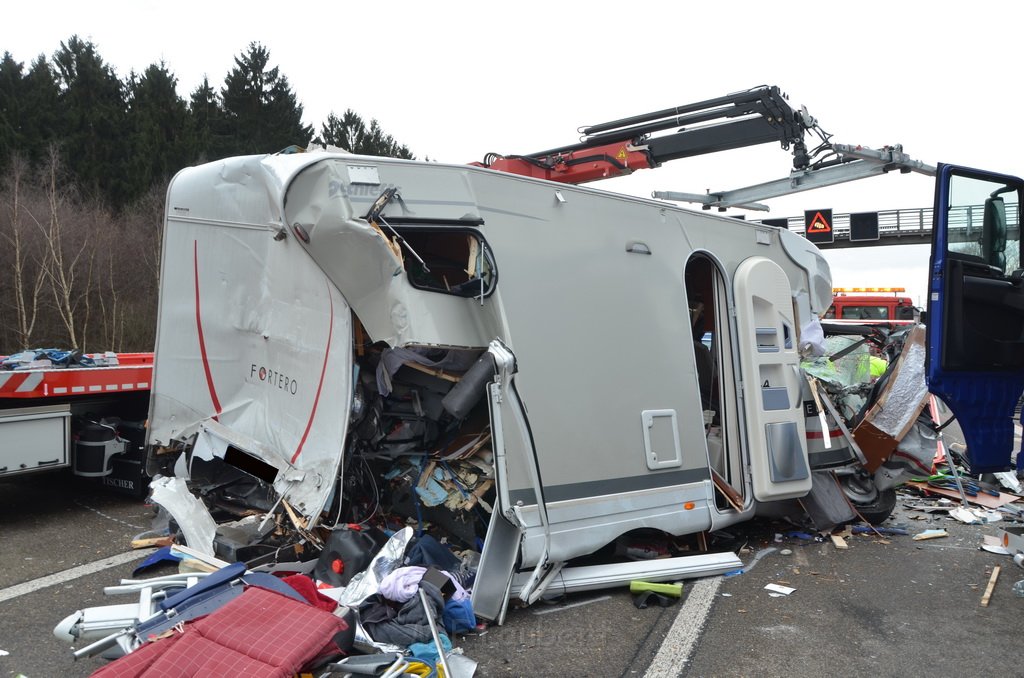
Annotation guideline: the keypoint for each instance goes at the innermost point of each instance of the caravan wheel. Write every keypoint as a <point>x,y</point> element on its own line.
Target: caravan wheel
<point>873,504</point>
<point>877,511</point>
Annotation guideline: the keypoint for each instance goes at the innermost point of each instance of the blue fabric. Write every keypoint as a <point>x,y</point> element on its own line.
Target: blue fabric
<point>428,651</point>
<point>458,616</point>
<point>429,552</point>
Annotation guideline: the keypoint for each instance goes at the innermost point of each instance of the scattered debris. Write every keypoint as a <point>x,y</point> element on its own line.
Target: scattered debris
<point>675,590</point>
<point>991,586</point>
<point>1009,480</point>
<point>930,534</point>
<point>994,544</point>
<point>758,556</point>
<point>970,516</point>
<point>871,529</point>
<point>648,593</point>
<point>778,588</point>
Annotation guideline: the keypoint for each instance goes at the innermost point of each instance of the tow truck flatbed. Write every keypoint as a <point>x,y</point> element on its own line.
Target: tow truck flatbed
<point>134,372</point>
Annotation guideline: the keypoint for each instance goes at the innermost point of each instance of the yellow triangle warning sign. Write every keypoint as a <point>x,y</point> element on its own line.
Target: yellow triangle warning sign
<point>621,155</point>
<point>819,224</point>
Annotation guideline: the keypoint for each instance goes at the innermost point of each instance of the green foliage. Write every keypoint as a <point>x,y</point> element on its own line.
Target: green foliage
<point>11,79</point>
<point>29,107</point>
<point>261,113</point>
<point>161,132</point>
<point>94,122</point>
<point>351,133</point>
<point>205,114</point>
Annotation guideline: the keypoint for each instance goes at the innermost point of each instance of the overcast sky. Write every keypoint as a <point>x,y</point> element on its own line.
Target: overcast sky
<point>455,80</point>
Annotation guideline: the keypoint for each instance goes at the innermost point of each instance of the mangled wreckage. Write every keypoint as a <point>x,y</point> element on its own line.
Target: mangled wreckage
<point>360,359</point>
<point>357,340</point>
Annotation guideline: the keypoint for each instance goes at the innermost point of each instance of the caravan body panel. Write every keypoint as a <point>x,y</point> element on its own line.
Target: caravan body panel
<point>252,336</point>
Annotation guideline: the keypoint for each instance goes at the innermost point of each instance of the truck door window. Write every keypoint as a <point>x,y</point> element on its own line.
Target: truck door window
<point>984,224</point>
<point>984,327</point>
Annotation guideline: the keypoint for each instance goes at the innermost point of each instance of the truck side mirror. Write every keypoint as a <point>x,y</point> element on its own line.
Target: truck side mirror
<point>993,233</point>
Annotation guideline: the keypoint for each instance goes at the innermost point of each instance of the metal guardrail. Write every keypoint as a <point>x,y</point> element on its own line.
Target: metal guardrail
<point>911,226</point>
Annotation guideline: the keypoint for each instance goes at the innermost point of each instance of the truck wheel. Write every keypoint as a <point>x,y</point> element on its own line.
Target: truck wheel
<point>881,508</point>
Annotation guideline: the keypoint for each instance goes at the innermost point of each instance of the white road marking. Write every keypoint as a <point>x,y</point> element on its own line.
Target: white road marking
<point>682,637</point>
<point>71,574</point>
<point>108,517</point>
<point>566,607</point>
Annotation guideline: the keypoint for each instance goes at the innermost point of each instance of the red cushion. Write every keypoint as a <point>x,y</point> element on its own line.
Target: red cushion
<point>259,634</point>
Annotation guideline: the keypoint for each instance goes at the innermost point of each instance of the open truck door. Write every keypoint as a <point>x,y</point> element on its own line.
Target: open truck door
<point>975,322</point>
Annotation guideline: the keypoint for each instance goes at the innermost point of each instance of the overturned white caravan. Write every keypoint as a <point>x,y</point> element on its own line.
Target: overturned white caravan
<point>336,332</point>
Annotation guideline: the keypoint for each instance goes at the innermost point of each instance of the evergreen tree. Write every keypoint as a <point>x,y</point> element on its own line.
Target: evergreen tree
<point>206,116</point>
<point>11,83</point>
<point>261,113</point>
<point>40,121</point>
<point>94,122</point>
<point>28,109</point>
<point>351,133</point>
<point>161,140</point>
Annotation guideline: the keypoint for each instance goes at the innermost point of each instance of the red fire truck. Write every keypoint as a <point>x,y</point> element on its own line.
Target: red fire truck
<point>872,306</point>
<point>88,415</point>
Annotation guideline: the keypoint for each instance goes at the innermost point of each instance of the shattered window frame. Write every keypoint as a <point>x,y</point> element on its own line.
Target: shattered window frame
<point>421,279</point>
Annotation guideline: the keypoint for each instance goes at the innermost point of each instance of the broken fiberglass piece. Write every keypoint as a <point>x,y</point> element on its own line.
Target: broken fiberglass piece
<point>188,511</point>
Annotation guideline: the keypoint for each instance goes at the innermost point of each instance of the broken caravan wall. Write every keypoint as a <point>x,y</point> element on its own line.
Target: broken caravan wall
<point>232,314</point>
<point>575,303</point>
<point>595,328</point>
<point>253,341</point>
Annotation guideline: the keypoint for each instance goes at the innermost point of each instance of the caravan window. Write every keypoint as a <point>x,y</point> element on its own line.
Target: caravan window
<point>450,260</point>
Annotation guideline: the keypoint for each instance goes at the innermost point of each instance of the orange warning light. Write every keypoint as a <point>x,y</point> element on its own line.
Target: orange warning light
<point>819,224</point>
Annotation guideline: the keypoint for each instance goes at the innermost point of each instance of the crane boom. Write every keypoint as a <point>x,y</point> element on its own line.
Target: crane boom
<point>619,147</point>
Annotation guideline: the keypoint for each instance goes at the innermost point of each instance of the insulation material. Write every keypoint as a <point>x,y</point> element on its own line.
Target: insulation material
<point>906,393</point>
<point>903,396</point>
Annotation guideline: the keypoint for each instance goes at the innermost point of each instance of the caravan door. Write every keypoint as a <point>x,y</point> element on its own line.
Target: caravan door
<point>975,322</point>
<point>769,366</point>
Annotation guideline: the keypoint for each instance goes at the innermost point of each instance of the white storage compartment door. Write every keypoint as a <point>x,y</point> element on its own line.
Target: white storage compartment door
<point>769,367</point>
<point>33,439</point>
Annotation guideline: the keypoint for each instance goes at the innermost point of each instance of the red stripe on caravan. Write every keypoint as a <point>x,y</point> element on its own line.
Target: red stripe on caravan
<point>202,341</point>
<point>319,386</point>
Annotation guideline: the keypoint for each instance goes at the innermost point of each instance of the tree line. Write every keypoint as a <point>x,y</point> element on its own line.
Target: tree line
<point>85,157</point>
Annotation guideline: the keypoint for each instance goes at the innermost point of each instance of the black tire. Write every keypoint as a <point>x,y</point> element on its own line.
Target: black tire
<point>881,508</point>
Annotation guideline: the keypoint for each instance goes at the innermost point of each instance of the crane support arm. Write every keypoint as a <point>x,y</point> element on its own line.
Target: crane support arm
<point>853,163</point>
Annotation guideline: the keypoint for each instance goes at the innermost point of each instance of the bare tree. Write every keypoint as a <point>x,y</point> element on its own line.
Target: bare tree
<point>63,254</point>
<point>28,268</point>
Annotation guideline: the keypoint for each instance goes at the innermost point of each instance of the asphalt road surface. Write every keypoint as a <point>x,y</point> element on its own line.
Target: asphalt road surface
<point>885,606</point>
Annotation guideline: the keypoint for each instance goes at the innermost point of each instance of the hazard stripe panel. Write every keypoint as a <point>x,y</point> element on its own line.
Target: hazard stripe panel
<point>135,373</point>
